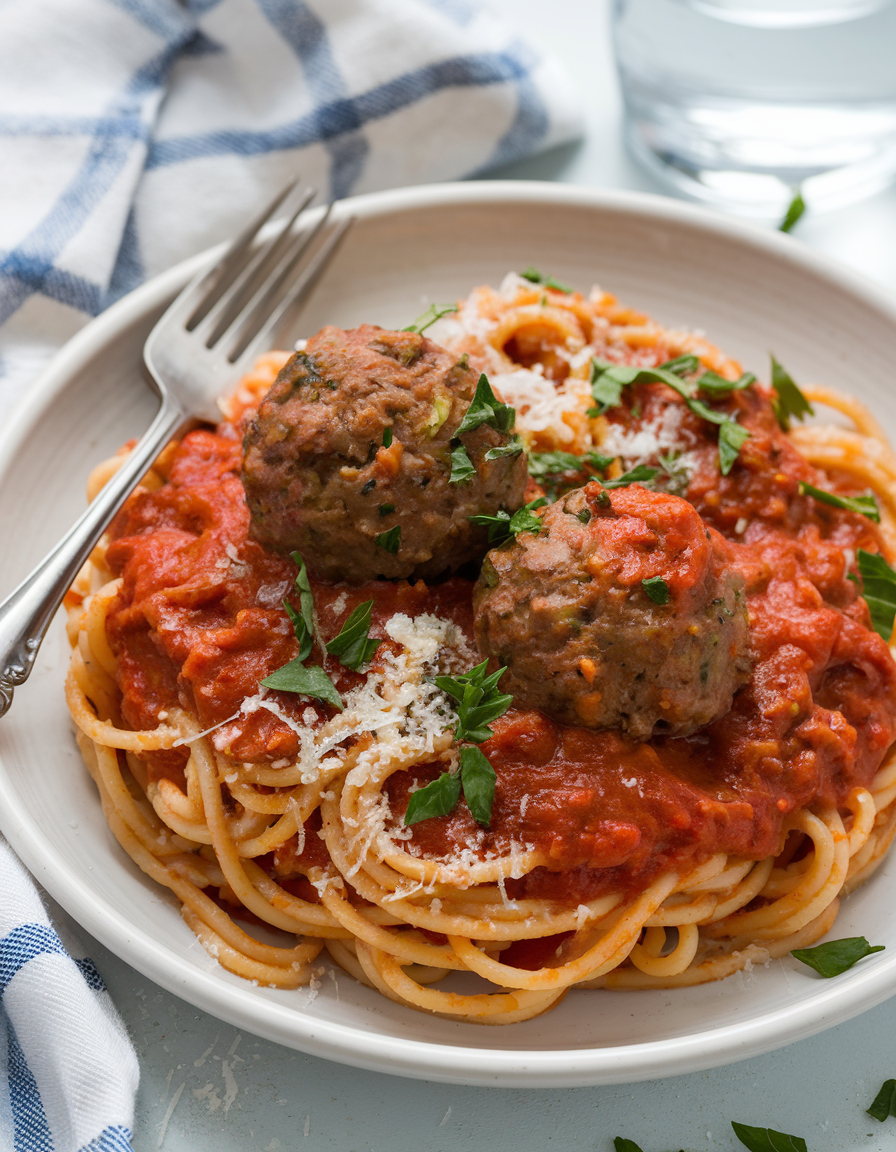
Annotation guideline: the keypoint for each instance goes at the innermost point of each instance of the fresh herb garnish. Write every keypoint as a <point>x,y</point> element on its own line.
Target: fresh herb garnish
<point>535,277</point>
<point>429,317</point>
<point>685,365</point>
<point>352,647</point>
<point>504,526</point>
<point>513,447</point>
<point>640,475</point>
<point>790,401</point>
<point>657,589</point>
<point>864,505</point>
<point>879,591</point>
<point>486,408</point>
<point>303,620</point>
<point>387,437</point>
<point>462,470</point>
<point>608,380</point>
<point>716,385</point>
<point>884,1104</point>
<point>767,1139</point>
<point>620,1144</point>
<point>389,541</point>
<point>438,798</point>
<point>386,509</point>
<point>478,701</point>
<point>837,955</point>
<point>795,209</point>
<point>310,681</point>
<point>545,464</point>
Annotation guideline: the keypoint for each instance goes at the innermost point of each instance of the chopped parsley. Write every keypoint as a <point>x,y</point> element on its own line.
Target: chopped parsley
<point>303,620</point>
<point>386,509</point>
<point>535,277</point>
<point>429,317</point>
<point>836,956</point>
<point>884,1103</point>
<point>795,209</point>
<point>657,589</point>
<point>640,475</point>
<point>879,591</point>
<point>389,541</point>
<point>306,681</point>
<point>477,703</point>
<point>462,470</point>
<point>767,1139</point>
<point>608,380</point>
<point>790,402</point>
<point>352,647</point>
<point>503,526</point>
<point>513,447</point>
<point>486,408</point>
<point>387,437</point>
<point>864,505</point>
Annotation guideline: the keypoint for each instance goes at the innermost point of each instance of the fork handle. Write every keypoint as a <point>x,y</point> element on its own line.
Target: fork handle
<point>26,614</point>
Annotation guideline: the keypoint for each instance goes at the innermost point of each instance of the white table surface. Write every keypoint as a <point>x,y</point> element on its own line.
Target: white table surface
<point>207,1087</point>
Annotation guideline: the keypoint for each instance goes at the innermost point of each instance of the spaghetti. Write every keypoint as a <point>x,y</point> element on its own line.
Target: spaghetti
<point>609,863</point>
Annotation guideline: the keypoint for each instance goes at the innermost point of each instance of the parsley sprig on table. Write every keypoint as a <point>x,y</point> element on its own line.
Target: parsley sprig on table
<point>477,702</point>
<point>352,646</point>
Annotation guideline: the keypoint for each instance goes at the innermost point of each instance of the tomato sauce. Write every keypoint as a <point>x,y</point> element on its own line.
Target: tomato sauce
<point>199,622</point>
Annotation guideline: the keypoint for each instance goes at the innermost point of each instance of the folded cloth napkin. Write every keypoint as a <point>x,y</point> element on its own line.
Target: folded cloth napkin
<point>68,1073</point>
<point>134,133</point>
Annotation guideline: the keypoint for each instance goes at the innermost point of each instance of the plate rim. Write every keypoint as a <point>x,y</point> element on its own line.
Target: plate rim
<point>414,1058</point>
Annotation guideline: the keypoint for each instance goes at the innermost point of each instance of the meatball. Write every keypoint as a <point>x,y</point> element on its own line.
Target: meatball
<point>621,612</point>
<point>349,458</point>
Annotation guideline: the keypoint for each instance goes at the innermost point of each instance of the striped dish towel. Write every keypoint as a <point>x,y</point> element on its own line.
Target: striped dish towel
<point>134,133</point>
<point>68,1073</point>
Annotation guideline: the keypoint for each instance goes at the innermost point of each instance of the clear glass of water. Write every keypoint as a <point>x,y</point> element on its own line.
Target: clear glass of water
<point>741,102</point>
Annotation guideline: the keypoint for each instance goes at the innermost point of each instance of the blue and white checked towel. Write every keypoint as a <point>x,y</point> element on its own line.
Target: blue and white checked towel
<point>134,133</point>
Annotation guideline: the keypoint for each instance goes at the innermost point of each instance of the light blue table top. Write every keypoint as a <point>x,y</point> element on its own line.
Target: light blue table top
<point>207,1087</point>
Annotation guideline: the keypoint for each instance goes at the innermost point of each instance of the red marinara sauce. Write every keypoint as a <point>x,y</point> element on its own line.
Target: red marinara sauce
<point>199,621</point>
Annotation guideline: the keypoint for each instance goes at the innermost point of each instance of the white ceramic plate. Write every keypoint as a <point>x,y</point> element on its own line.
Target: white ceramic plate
<point>751,292</point>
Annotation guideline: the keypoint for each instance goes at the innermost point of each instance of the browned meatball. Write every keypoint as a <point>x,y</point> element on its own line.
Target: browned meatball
<point>354,441</point>
<point>622,612</point>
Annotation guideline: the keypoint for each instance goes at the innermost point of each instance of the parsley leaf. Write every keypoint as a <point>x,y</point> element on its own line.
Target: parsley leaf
<point>462,469</point>
<point>884,1104</point>
<point>767,1139</point>
<point>352,646</point>
<point>389,541</point>
<point>685,365</point>
<point>502,526</point>
<point>429,317</point>
<point>535,277</point>
<point>513,447</point>
<point>879,591</point>
<point>605,389</point>
<point>657,589</point>
<point>836,956</point>
<point>620,1144</point>
<point>478,701</point>
<point>312,681</point>
<point>790,400</point>
<point>795,209</point>
<point>864,505</point>
<point>478,780</point>
<point>303,620</point>
<point>732,437</point>
<point>386,509</point>
<point>438,798</point>
<point>717,385</point>
<point>545,464</point>
<point>640,475</point>
<point>387,437</point>
<point>486,408</point>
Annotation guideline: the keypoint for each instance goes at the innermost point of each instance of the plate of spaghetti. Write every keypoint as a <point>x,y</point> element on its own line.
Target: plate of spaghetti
<point>515,650</point>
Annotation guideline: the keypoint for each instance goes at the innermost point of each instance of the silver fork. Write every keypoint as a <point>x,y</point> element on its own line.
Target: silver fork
<point>206,340</point>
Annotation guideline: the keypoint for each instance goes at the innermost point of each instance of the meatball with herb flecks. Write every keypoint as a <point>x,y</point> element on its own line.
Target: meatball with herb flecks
<point>360,457</point>
<point>621,611</point>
